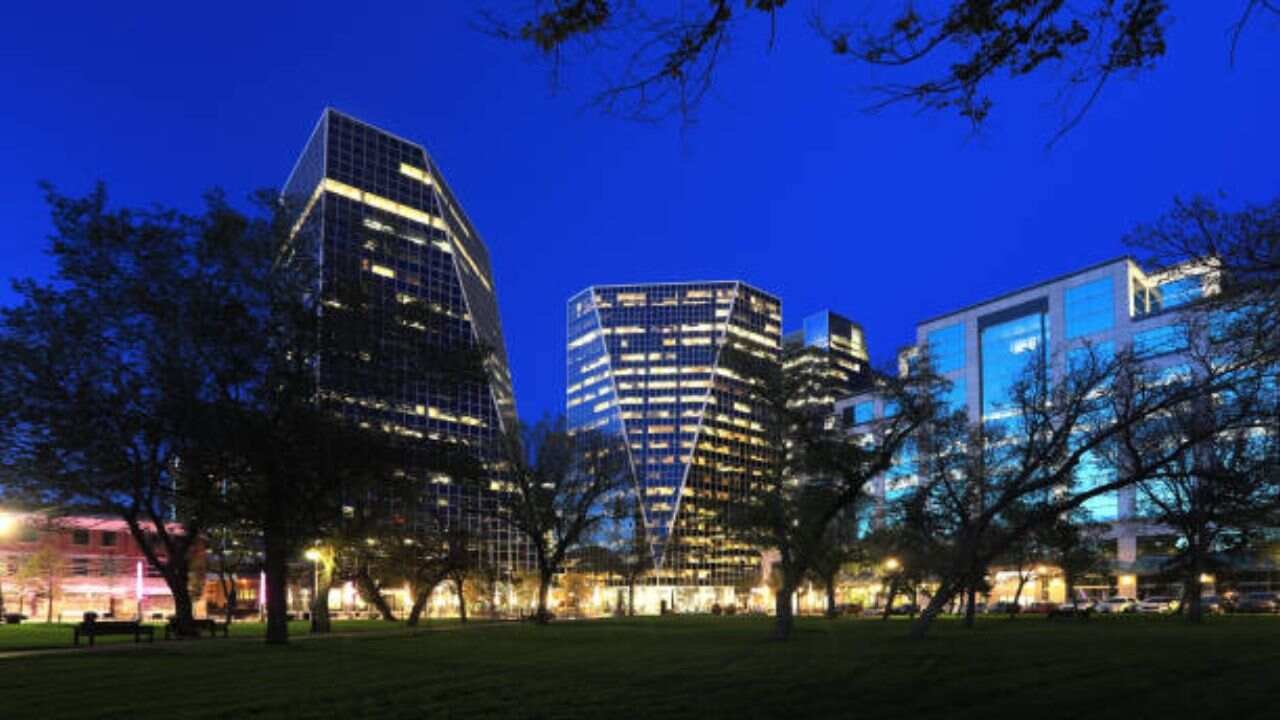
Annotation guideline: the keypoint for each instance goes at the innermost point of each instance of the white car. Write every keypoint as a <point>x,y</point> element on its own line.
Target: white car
<point>1117,605</point>
<point>1158,604</point>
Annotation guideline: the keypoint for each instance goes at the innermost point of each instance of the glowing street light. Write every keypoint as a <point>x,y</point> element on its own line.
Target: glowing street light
<point>892,565</point>
<point>313,555</point>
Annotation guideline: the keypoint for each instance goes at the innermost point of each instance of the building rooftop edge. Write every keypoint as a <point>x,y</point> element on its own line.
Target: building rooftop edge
<point>674,283</point>
<point>1050,281</point>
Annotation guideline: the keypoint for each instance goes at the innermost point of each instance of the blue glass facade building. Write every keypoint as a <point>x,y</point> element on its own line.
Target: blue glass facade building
<point>644,364</point>
<point>983,349</point>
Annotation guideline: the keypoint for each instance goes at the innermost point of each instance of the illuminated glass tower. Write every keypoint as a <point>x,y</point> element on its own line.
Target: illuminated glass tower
<point>644,363</point>
<point>374,209</point>
<point>828,357</point>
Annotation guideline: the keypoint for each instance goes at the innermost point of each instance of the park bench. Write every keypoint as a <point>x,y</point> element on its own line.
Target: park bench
<point>213,627</point>
<point>93,629</point>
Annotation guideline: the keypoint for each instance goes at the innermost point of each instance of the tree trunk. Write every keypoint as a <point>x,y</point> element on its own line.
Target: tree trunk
<point>183,618</point>
<point>321,620</point>
<point>832,612</point>
<point>372,594</point>
<point>945,594</point>
<point>229,598</point>
<point>970,607</point>
<point>888,603</point>
<point>419,602</point>
<point>462,599</point>
<point>275,562</point>
<point>784,619</point>
<point>1191,601</point>
<point>544,585</point>
<point>631,598</point>
<point>1017,595</point>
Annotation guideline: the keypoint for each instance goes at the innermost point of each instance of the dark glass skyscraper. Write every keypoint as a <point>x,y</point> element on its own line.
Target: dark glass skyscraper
<point>373,209</point>
<point>828,358</point>
<point>644,363</point>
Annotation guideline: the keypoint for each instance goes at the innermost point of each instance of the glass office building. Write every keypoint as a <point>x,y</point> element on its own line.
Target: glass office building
<point>827,357</point>
<point>984,348</point>
<point>644,364</point>
<point>374,210</point>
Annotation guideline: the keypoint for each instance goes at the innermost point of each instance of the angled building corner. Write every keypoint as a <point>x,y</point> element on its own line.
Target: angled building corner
<point>370,205</point>
<point>644,364</point>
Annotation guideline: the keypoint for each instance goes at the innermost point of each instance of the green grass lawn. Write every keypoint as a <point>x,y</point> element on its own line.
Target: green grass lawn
<point>1130,668</point>
<point>39,636</point>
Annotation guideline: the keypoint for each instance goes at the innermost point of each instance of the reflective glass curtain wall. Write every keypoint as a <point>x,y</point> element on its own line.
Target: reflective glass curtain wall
<point>643,362</point>
<point>374,210</point>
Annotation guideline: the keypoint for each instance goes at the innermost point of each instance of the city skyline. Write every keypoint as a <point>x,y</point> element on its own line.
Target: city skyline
<point>551,187</point>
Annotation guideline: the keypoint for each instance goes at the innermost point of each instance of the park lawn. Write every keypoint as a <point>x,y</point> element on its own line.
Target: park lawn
<point>41,636</point>
<point>684,667</point>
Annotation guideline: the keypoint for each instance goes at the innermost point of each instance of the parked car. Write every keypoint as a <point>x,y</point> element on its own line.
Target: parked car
<point>1117,605</point>
<point>1258,602</point>
<point>1080,608</point>
<point>1004,608</point>
<point>1211,605</point>
<point>1040,608</point>
<point>1158,604</point>
<point>905,609</point>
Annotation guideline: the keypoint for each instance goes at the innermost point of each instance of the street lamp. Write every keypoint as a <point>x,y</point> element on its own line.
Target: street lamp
<point>892,564</point>
<point>313,555</point>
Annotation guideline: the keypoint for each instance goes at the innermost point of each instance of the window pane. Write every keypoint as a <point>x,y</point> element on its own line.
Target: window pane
<point>1007,349</point>
<point>946,346</point>
<point>1180,292</point>
<point>1090,308</point>
<point>863,412</point>
<point>1159,341</point>
<point>1078,357</point>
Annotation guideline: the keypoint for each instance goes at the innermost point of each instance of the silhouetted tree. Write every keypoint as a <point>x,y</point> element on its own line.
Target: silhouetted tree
<point>630,557</point>
<point>1073,544</point>
<point>1225,489</point>
<point>108,371</point>
<point>561,483</point>
<point>987,487</point>
<point>658,59</point>
<point>816,476</point>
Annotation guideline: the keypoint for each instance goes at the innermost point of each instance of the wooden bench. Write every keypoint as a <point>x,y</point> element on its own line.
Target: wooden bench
<point>213,627</point>
<point>93,630</point>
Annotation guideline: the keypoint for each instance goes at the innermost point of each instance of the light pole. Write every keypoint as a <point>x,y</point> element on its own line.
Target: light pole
<point>313,555</point>
<point>892,566</point>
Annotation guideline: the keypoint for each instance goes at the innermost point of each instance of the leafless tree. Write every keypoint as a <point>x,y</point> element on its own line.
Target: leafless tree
<point>991,486</point>
<point>1225,489</point>
<point>818,476</point>
<point>660,58</point>
<point>561,483</point>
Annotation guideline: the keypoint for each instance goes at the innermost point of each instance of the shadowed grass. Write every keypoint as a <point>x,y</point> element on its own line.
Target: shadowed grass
<point>40,636</point>
<point>684,667</point>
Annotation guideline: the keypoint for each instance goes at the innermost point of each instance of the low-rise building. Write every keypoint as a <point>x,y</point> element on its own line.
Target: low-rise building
<point>57,568</point>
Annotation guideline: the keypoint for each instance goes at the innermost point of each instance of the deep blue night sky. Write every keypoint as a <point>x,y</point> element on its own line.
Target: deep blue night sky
<point>783,182</point>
